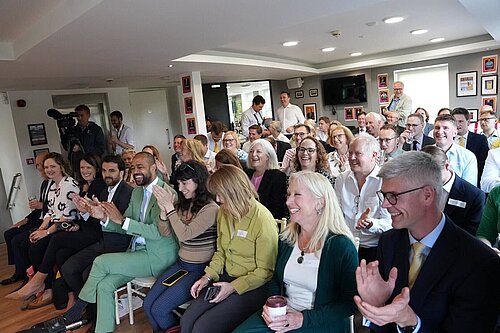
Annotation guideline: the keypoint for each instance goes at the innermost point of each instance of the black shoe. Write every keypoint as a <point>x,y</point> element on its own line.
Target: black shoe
<point>13,279</point>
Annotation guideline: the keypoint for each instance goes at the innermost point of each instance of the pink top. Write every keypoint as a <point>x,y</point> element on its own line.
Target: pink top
<point>256,181</point>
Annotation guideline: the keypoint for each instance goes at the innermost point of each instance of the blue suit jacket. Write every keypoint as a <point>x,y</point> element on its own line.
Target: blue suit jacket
<point>478,144</point>
<point>467,217</point>
<point>457,289</point>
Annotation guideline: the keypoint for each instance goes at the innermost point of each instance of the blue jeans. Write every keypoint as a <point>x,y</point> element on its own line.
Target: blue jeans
<point>161,300</point>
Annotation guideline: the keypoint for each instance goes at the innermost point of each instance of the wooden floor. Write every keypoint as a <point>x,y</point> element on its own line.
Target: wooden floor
<point>12,319</point>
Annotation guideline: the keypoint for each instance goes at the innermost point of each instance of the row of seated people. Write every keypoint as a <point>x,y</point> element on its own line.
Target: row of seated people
<point>242,255</point>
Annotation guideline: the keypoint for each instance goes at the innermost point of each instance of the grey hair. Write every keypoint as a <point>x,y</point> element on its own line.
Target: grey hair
<point>272,163</point>
<point>370,144</point>
<point>377,116</point>
<point>416,168</point>
<point>276,124</point>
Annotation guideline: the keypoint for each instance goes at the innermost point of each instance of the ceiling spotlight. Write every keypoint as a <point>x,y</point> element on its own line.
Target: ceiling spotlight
<point>394,19</point>
<point>355,54</point>
<point>290,43</point>
<point>436,40</point>
<point>419,31</point>
<point>170,66</point>
<point>328,49</point>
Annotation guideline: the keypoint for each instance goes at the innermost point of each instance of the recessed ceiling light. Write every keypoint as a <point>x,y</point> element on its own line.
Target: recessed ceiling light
<point>436,40</point>
<point>419,31</point>
<point>293,43</point>
<point>328,49</point>
<point>170,66</point>
<point>355,54</point>
<point>394,19</point>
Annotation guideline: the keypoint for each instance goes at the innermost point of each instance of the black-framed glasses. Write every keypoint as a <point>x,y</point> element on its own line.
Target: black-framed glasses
<point>300,259</point>
<point>392,197</point>
<point>355,209</point>
<point>183,167</point>
<point>302,150</point>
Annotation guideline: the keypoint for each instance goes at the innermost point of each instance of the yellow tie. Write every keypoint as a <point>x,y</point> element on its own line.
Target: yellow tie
<point>461,141</point>
<point>217,147</point>
<point>416,263</point>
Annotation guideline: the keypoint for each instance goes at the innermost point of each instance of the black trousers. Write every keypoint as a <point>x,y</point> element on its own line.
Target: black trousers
<point>18,244</point>
<point>367,253</point>
<point>202,316</point>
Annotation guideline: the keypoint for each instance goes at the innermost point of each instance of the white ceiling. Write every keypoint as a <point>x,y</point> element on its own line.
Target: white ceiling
<point>67,44</point>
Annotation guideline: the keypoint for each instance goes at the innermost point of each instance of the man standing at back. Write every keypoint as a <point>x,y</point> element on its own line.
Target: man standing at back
<point>121,135</point>
<point>289,114</point>
<point>400,104</point>
<point>89,138</point>
<point>253,116</point>
<point>431,276</point>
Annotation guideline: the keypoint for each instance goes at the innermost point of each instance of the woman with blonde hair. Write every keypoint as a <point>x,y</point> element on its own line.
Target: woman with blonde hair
<point>232,142</point>
<point>340,137</point>
<point>329,147</point>
<point>243,262</point>
<point>127,156</point>
<point>317,260</point>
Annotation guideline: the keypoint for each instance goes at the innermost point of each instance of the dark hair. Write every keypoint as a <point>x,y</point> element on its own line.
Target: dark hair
<point>179,136</point>
<point>82,107</point>
<point>462,111</point>
<point>285,92</point>
<point>199,174</point>
<point>446,117</point>
<point>117,114</point>
<point>390,127</point>
<point>425,111</point>
<point>225,156</point>
<point>360,113</point>
<point>95,161</point>
<point>65,168</point>
<point>256,127</point>
<point>443,109</point>
<point>325,119</point>
<point>258,99</point>
<point>217,127</point>
<point>418,116</point>
<point>308,128</point>
<point>322,163</point>
<point>202,138</point>
<point>114,159</point>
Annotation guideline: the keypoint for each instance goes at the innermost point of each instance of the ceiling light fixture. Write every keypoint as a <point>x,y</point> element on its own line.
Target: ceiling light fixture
<point>170,66</point>
<point>394,19</point>
<point>328,49</point>
<point>355,54</point>
<point>292,43</point>
<point>436,40</point>
<point>419,31</point>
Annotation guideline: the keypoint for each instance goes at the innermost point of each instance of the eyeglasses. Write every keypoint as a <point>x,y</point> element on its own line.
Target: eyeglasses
<point>486,119</point>
<point>300,259</point>
<point>397,88</point>
<point>413,125</point>
<point>387,140</point>
<point>355,209</point>
<point>392,197</point>
<point>302,150</point>
<point>184,166</point>
<point>337,137</point>
<point>301,134</point>
<point>228,140</point>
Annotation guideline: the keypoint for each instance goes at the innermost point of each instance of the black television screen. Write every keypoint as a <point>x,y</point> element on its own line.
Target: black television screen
<point>344,90</point>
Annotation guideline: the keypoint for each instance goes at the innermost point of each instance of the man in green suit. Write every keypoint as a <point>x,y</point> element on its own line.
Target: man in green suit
<point>150,253</point>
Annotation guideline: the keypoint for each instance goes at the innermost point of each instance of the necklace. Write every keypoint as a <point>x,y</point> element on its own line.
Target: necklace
<point>302,249</point>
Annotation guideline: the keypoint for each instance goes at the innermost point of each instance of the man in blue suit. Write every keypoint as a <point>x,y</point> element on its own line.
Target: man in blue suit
<point>476,143</point>
<point>464,203</point>
<point>431,276</point>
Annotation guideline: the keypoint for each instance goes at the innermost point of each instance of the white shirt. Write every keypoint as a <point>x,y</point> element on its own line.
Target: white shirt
<point>354,202</point>
<point>491,171</point>
<point>250,117</point>
<point>125,134</point>
<point>321,136</point>
<point>290,116</point>
<point>282,137</point>
<point>463,162</point>
<point>494,136</point>
<point>457,138</point>
<point>211,142</point>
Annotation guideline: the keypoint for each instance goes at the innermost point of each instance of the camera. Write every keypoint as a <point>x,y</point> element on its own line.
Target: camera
<point>66,125</point>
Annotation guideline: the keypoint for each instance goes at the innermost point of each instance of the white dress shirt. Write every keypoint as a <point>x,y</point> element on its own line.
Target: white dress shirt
<point>249,118</point>
<point>491,171</point>
<point>290,116</point>
<point>125,134</point>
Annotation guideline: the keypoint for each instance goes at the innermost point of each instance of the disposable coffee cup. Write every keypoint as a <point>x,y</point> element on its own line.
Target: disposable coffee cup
<point>276,306</point>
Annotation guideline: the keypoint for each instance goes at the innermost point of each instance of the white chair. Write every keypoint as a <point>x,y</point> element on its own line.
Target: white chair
<point>133,287</point>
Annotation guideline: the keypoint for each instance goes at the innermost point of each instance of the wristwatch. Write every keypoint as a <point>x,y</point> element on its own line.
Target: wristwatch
<point>407,329</point>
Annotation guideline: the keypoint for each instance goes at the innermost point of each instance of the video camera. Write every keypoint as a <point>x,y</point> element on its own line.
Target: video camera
<point>66,125</point>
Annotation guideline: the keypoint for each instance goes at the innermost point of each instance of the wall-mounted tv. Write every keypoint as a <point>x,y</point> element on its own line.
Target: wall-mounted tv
<point>344,90</point>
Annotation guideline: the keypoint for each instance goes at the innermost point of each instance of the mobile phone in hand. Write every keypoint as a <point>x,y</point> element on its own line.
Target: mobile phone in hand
<point>211,293</point>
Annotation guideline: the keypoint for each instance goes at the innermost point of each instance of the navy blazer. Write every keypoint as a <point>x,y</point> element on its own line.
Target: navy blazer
<point>468,217</point>
<point>272,192</point>
<point>426,141</point>
<point>457,289</point>
<point>478,144</point>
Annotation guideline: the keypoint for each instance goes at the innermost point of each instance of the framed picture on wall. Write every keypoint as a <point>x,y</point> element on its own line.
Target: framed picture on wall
<point>490,64</point>
<point>491,101</point>
<point>383,96</point>
<point>37,152</point>
<point>310,111</point>
<point>466,84</point>
<point>313,92</point>
<point>349,113</point>
<point>299,94</point>
<point>37,134</point>
<point>188,105</point>
<point>473,115</point>
<point>383,108</point>
<point>489,85</point>
<point>191,125</point>
<point>382,81</point>
<point>186,84</point>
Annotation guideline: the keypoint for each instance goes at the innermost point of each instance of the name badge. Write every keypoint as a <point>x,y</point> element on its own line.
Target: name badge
<point>242,233</point>
<point>457,203</point>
